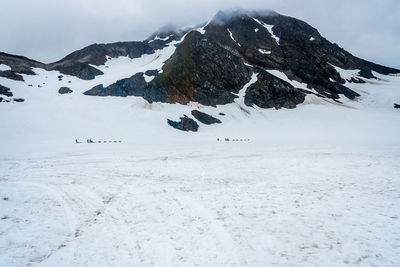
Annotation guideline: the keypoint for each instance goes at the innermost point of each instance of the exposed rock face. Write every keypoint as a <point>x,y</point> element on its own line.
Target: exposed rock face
<point>81,70</point>
<point>133,86</point>
<point>205,118</point>
<point>151,72</point>
<point>201,70</point>
<point>19,99</point>
<point>5,91</point>
<point>396,106</point>
<point>185,124</point>
<point>19,65</point>
<point>271,92</point>
<point>64,90</point>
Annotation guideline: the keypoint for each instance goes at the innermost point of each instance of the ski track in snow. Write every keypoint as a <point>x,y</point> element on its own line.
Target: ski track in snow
<point>139,211</point>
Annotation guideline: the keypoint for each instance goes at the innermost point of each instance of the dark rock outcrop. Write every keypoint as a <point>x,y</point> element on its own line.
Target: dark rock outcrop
<point>151,72</point>
<point>19,100</point>
<point>185,124</point>
<point>204,117</point>
<point>12,75</point>
<point>271,92</point>
<point>396,106</point>
<point>64,90</point>
<point>19,65</point>
<point>5,91</point>
<point>133,86</point>
<point>81,70</point>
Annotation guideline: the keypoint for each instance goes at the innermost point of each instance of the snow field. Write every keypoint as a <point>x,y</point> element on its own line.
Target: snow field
<point>315,186</point>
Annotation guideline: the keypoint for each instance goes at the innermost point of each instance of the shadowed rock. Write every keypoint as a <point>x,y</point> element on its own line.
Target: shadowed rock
<point>185,124</point>
<point>205,118</point>
<point>271,92</point>
<point>133,86</point>
<point>5,91</point>
<point>151,72</point>
<point>64,90</point>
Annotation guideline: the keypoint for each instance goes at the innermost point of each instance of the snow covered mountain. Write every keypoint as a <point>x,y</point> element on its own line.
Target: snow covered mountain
<point>210,65</point>
<point>255,59</point>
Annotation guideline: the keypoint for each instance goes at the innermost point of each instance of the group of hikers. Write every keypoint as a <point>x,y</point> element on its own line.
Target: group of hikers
<point>233,140</point>
<point>90,141</point>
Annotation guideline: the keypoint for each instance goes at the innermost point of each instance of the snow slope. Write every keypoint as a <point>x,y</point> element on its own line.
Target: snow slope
<point>269,29</point>
<point>231,35</point>
<point>315,186</point>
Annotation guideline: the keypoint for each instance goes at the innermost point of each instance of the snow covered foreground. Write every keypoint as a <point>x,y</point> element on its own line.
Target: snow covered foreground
<point>315,186</point>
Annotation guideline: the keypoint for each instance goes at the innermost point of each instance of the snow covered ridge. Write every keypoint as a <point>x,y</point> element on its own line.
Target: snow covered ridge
<point>162,39</point>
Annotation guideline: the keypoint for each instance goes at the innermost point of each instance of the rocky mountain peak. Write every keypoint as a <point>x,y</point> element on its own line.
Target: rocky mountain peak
<point>211,64</point>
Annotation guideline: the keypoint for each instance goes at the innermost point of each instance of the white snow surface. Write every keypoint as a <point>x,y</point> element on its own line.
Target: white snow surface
<point>230,33</point>
<point>160,38</point>
<point>315,186</point>
<point>281,75</point>
<point>347,74</point>
<point>4,67</point>
<point>202,30</point>
<point>265,52</point>
<point>269,28</point>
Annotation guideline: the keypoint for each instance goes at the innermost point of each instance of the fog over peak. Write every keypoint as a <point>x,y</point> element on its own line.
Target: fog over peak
<point>47,30</point>
<point>224,16</point>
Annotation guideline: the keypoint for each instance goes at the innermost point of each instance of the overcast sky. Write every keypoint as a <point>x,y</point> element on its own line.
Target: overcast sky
<point>47,30</point>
